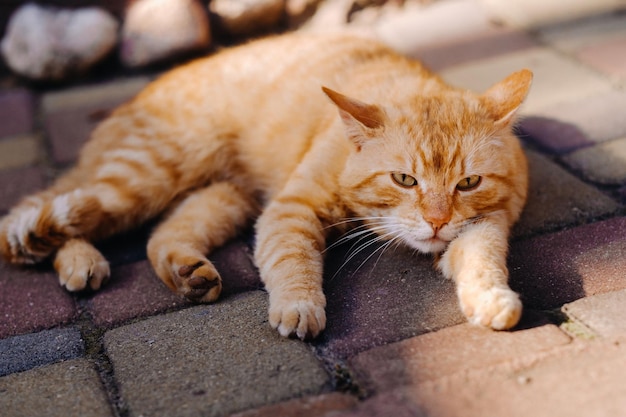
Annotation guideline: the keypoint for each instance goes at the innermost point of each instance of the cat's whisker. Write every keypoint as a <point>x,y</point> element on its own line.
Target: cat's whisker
<point>361,248</point>
<point>354,233</point>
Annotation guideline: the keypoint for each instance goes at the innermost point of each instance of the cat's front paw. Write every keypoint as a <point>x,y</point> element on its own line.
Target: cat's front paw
<point>496,307</point>
<point>79,264</point>
<point>302,315</point>
<point>19,241</point>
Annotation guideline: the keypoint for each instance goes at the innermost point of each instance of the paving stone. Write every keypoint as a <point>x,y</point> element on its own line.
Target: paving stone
<point>70,116</point>
<point>18,151</point>
<point>557,198</point>
<point>557,78</point>
<point>391,403</point>
<point>445,352</point>
<point>64,389</point>
<point>304,407</point>
<point>558,268</point>
<point>565,382</point>
<point>604,163</point>
<point>575,35</point>
<point>570,126</point>
<point>133,291</point>
<point>604,313</point>
<point>16,112</point>
<point>32,300</point>
<point>210,360</point>
<point>20,353</point>
<point>17,183</point>
<point>377,299</point>
<point>609,56</point>
<point>472,48</point>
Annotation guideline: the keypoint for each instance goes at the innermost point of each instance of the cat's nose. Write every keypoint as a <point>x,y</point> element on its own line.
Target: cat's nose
<point>437,224</point>
<point>437,219</point>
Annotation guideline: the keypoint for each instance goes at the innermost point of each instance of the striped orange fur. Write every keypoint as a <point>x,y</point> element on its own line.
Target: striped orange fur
<point>249,134</point>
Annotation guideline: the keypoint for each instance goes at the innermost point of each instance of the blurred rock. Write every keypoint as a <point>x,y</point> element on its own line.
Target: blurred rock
<point>155,30</point>
<point>299,11</point>
<point>247,17</point>
<point>52,44</point>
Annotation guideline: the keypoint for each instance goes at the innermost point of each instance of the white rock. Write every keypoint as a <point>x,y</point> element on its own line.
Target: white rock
<point>154,30</point>
<point>247,17</point>
<point>51,43</point>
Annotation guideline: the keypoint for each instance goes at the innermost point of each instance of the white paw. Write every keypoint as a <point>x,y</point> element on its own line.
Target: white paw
<point>496,307</point>
<point>292,315</point>
<point>78,263</point>
<point>17,235</point>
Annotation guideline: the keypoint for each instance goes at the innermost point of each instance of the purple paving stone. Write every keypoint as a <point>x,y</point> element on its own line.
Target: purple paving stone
<point>608,56</point>
<point>558,268</point>
<point>70,128</point>
<point>16,112</point>
<point>557,137</point>
<point>234,263</point>
<point>32,300</point>
<point>133,290</point>
<point>376,299</point>
<point>17,183</point>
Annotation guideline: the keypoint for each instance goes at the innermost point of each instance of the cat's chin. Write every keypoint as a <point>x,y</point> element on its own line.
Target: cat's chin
<point>433,245</point>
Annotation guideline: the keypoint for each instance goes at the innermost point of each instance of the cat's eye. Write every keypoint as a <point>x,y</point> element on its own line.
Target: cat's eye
<point>404,179</point>
<point>469,183</point>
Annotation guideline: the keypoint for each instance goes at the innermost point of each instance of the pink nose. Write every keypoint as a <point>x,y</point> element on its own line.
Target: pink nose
<point>437,219</point>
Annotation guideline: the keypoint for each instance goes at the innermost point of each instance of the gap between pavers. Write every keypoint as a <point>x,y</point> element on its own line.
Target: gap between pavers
<point>604,163</point>
<point>211,360</point>
<point>604,314</point>
<point>70,388</point>
<point>21,353</point>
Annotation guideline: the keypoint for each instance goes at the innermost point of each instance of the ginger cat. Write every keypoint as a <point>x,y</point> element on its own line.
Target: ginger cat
<point>249,133</point>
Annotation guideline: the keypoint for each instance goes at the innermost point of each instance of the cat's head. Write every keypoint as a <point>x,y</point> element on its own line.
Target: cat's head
<point>425,167</point>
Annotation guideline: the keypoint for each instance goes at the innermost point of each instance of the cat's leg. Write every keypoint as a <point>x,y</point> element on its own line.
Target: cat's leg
<point>203,221</point>
<point>79,264</point>
<point>290,241</point>
<point>476,260</point>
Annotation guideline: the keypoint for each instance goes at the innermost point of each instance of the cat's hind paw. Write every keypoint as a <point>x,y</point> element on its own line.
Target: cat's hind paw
<point>291,315</point>
<point>197,279</point>
<point>496,307</point>
<point>79,264</point>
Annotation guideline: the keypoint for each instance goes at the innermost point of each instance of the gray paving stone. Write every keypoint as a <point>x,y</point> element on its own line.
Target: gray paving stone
<point>16,112</point>
<point>447,351</point>
<point>70,388</point>
<point>18,151</point>
<point>558,268</point>
<point>574,380</point>
<point>577,124</point>
<point>210,360</point>
<point>557,198</point>
<point>608,56</point>
<point>32,300</point>
<point>604,163</point>
<point>377,299</point>
<point>17,183</point>
<point>557,79</point>
<point>20,353</point>
<point>604,314</point>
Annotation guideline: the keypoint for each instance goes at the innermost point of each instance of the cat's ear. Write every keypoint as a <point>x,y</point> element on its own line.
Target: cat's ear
<point>504,98</point>
<point>359,118</point>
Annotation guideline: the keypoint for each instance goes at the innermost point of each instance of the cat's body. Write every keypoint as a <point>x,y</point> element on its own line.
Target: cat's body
<point>249,131</point>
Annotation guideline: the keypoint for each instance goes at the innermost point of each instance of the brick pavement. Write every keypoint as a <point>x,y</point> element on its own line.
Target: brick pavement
<point>396,343</point>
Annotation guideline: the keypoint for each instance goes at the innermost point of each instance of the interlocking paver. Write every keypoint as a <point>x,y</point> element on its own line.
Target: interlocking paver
<point>608,56</point>
<point>577,124</point>
<point>20,353</point>
<point>211,360</point>
<point>32,300</point>
<point>70,388</point>
<point>604,163</point>
<point>377,299</point>
<point>17,183</point>
<point>557,78</point>
<point>564,382</point>
<point>18,151</point>
<point>304,407</point>
<point>557,198</point>
<point>558,268</point>
<point>444,352</point>
<point>604,313</point>
<point>16,112</point>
